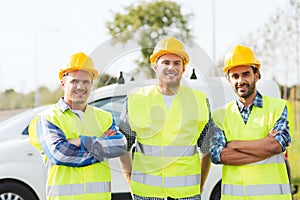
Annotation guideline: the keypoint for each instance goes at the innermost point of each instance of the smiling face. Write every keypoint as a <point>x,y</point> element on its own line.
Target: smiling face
<point>169,69</point>
<point>243,81</point>
<point>77,87</point>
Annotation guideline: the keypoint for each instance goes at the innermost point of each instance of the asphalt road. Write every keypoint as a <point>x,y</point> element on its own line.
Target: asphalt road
<point>5,114</point>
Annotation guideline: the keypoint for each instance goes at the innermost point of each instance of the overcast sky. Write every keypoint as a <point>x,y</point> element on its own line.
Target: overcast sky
<point>38,35</point>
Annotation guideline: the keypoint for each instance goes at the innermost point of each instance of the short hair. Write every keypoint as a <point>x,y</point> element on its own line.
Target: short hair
<point>256,70</point>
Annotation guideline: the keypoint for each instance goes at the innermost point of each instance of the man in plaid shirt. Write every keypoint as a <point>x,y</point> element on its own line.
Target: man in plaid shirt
<point>255,135</point>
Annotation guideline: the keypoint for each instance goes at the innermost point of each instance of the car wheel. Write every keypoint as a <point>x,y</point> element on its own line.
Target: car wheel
<point>216,192</point>
<point>10,190</point>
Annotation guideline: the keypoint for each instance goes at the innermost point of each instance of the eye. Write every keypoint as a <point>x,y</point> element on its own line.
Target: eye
<point>246,74</point>
<point>166,62</point>
<point>86,82</point>
<point>178,63</point>
<point>235,76</point>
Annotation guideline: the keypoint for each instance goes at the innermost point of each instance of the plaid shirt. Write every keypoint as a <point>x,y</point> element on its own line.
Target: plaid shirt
<point>203,141</point>
<point>283,136</point>
<point>60,152</point>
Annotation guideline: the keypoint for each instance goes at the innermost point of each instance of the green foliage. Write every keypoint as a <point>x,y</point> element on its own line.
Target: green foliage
<point>147,22</point>
<point>48,97</point>
<point>105,79</point>
<point>276,44</point>
<point>9,99</point>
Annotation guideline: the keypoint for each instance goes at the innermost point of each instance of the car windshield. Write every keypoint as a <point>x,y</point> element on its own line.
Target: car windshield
<point>111,104</point>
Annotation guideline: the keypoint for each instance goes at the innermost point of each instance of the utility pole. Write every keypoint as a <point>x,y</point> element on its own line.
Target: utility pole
<point>214,31</point>
<point>36,50</point>
<point>297,5</point>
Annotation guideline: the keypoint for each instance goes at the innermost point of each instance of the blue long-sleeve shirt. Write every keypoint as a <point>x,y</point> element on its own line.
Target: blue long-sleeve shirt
<point>283,137</point>
<point>92,149</point>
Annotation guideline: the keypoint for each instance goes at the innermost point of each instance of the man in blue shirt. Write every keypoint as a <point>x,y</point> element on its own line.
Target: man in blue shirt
<point>76,139</point>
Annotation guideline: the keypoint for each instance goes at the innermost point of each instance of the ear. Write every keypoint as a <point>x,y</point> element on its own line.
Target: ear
<point>62,83</point>
<point>257,76</point>
<point>183,69</point>
<point>154,67</point>
<point>228,78</point>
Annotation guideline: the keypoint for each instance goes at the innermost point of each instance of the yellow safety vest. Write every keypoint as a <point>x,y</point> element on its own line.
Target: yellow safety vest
<point>263,180</point>
<point>77,183</point>
<point>166,161</point>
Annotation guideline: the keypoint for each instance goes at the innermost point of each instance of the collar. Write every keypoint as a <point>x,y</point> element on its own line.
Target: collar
<point>258,101</point>
<point>159,92</point>
<point>62,105</point>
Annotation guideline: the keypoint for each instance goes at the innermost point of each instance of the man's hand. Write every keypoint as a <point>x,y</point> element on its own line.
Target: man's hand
<point>272,133</point>
<point>109,132</point>
<point>75,141</point>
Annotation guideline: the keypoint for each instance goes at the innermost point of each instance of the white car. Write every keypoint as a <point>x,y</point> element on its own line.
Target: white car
<point>22,172</point>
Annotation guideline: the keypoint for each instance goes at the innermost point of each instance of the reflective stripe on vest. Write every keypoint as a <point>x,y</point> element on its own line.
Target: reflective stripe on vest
<point>266,179</point>
<point>167,182</point>
<point>87,180</point>
<point>278,158</point>
<point>256,190</point>
<point>77,189</point>
<point>166,162</point>
<point>168,151</point>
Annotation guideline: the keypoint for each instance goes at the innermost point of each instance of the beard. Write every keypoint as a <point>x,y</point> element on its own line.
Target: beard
<point>80,96</point>
<point>245,92</point>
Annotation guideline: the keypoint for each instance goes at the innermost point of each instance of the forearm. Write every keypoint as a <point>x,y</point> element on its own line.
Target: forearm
<point>205,166</point>
<point>105,147</point>
<point>126,165</point>
<point>262,148</point>
<point>112,144</point>
<point>58,149</point>
<point>234,157</point>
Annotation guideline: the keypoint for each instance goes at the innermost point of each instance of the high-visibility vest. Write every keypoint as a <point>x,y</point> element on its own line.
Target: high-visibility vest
<point>263,180</point>
<point>77,183</point>
<point>166,161</point>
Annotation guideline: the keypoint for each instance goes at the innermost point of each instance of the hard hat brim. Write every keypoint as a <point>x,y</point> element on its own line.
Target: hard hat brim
<point>227,68</point>
<point>183,55</point>
<point>91,71</point>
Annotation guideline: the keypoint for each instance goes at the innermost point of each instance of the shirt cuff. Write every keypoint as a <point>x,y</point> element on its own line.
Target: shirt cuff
<point>86,143</point>
<point>281,141</point>
<point>218,157</point>
<point>215,155</point>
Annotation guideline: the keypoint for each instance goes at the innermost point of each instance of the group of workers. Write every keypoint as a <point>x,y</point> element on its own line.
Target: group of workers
<point>176,135</point>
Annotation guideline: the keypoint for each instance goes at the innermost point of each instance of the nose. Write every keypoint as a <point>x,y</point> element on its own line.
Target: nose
<point>171,66</point>
<point>241,80</point>
<point>79,85</point>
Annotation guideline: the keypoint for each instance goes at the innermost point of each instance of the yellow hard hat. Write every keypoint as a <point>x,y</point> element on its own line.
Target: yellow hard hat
<point>79,61</point>
<point>169,45</point>
<point>240,55</point>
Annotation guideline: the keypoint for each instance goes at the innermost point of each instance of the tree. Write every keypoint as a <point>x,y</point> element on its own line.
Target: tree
<point>105,79</point>
<point>10,99</point>
<point>277,45</point>
<point>147,22</point>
